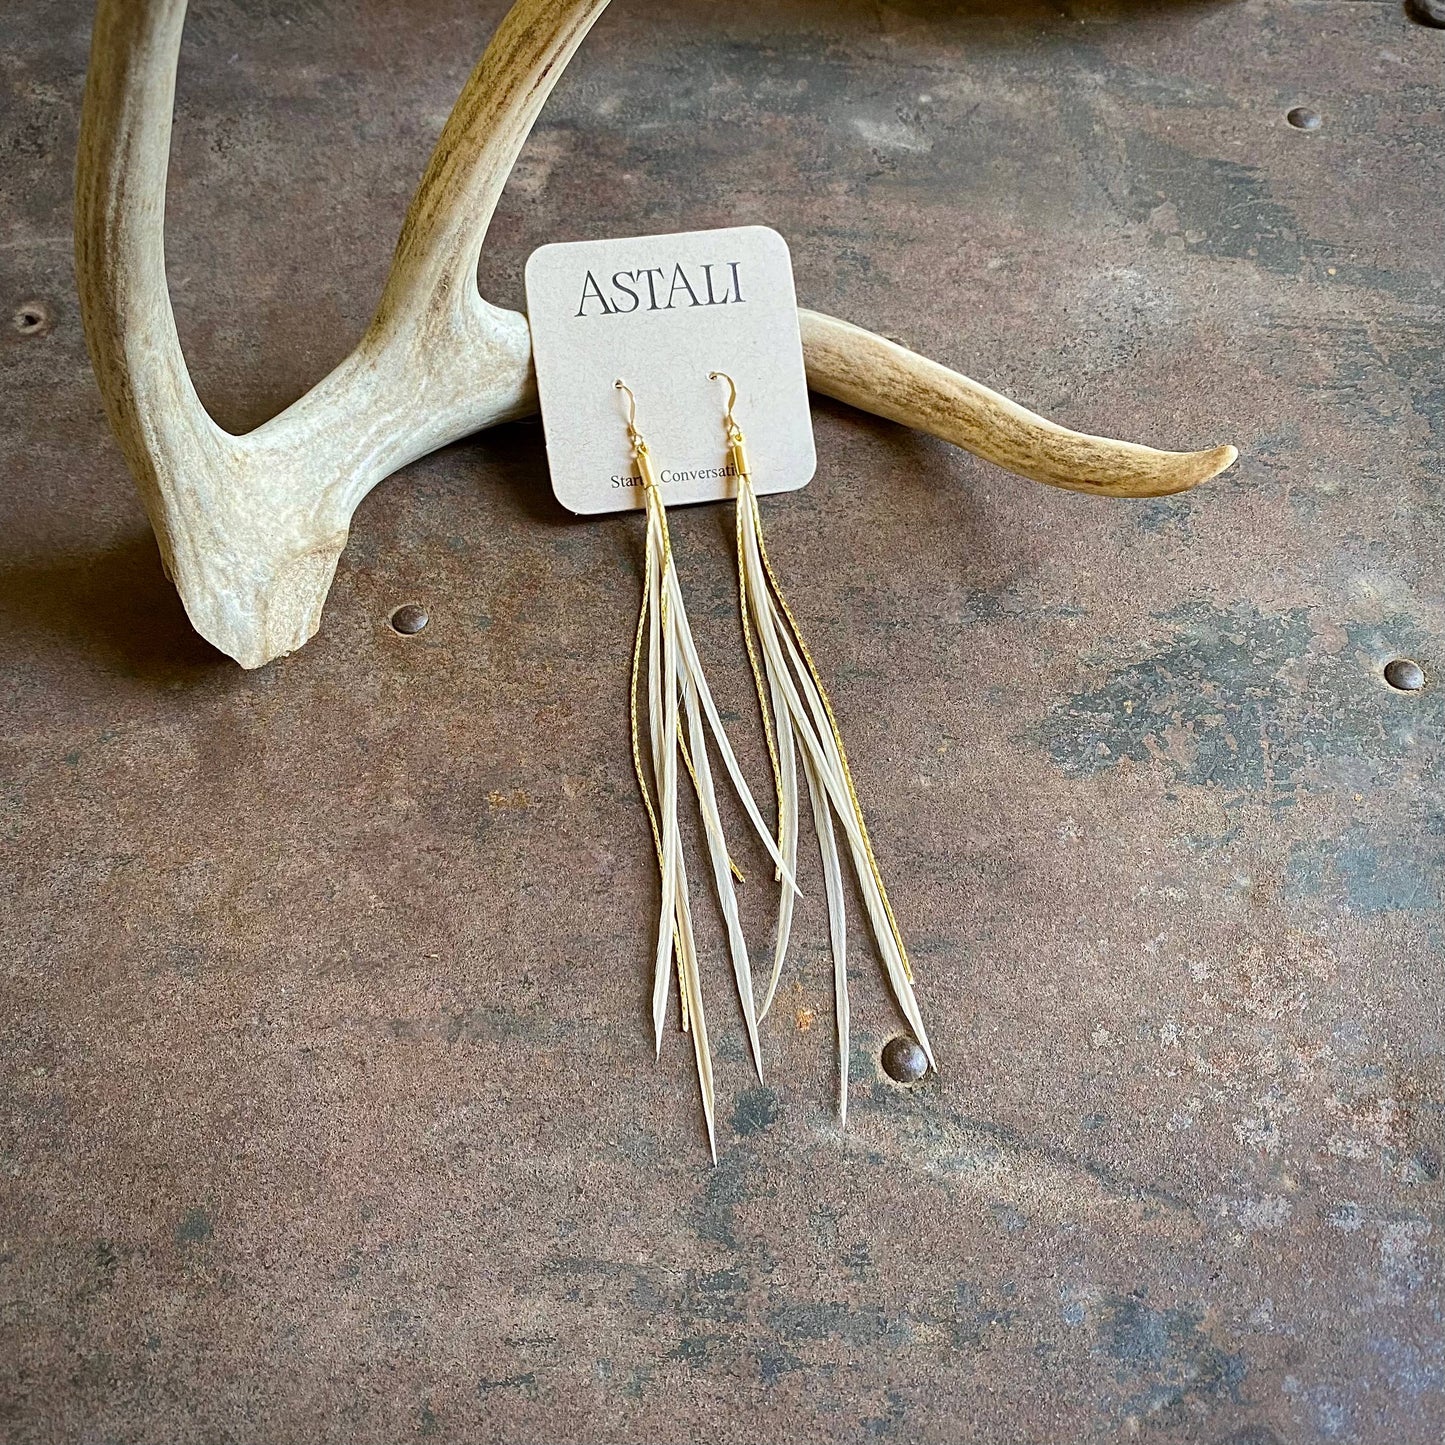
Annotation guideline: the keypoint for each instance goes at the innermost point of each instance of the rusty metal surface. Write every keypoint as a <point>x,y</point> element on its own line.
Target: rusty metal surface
<point>329,1111</point>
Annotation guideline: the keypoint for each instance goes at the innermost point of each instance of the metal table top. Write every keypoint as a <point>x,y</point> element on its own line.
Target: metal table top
<point>330,1111</point>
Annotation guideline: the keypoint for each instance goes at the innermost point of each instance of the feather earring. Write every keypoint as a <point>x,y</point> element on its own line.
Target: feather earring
<point>798,719</point>
<point>682,720</point>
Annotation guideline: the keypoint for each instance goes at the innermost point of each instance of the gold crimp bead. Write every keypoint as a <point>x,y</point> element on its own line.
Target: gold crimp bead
<point>738,455</point>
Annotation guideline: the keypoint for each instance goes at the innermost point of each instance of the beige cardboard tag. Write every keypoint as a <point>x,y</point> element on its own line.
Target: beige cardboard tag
<point>661,312</point>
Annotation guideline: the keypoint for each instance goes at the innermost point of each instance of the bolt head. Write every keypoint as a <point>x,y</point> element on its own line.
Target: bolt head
<point>409,620</point>
<point>904,1061</point>
<point>1404,674</point>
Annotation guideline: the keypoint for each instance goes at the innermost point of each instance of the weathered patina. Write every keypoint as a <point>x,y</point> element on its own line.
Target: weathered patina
<point>329,1105</point>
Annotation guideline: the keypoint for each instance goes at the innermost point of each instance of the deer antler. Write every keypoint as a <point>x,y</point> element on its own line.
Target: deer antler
<point>251,527</point>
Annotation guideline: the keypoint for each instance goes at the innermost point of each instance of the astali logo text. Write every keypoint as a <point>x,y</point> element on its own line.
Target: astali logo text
<point>653,289</point>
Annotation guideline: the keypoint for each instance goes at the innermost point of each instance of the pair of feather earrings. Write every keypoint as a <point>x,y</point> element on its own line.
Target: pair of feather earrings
<point>800,727</point>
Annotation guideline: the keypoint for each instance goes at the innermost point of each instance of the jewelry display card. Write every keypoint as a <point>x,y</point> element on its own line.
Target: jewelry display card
<point>660,313</point>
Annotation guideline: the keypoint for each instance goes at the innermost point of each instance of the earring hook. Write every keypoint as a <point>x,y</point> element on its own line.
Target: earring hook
<point>737,450</point>
<point>621,385</point>
<point>732,388</point>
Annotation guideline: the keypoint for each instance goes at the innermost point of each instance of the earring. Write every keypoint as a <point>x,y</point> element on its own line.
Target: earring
<point>798,717</point>
<point>681,711</point>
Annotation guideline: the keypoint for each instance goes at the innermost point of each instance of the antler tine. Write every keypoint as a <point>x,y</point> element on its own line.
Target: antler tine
<point>447,223</point>
<point>120,203</point>
<point>439,362</point>
<point>877,375</point>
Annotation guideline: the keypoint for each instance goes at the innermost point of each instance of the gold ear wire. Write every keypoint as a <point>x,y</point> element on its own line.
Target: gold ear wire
<point>620,385</point>
<point>729,420</point>
<point>737,452</point>
<point>639,442</point>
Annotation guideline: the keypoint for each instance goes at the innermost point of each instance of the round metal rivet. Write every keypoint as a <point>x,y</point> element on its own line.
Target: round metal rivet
<point>1426,12</point>
<point>903,1060</point>
<point>1303,118</point>
<point>1404,674</point>
<point>409,620</point>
